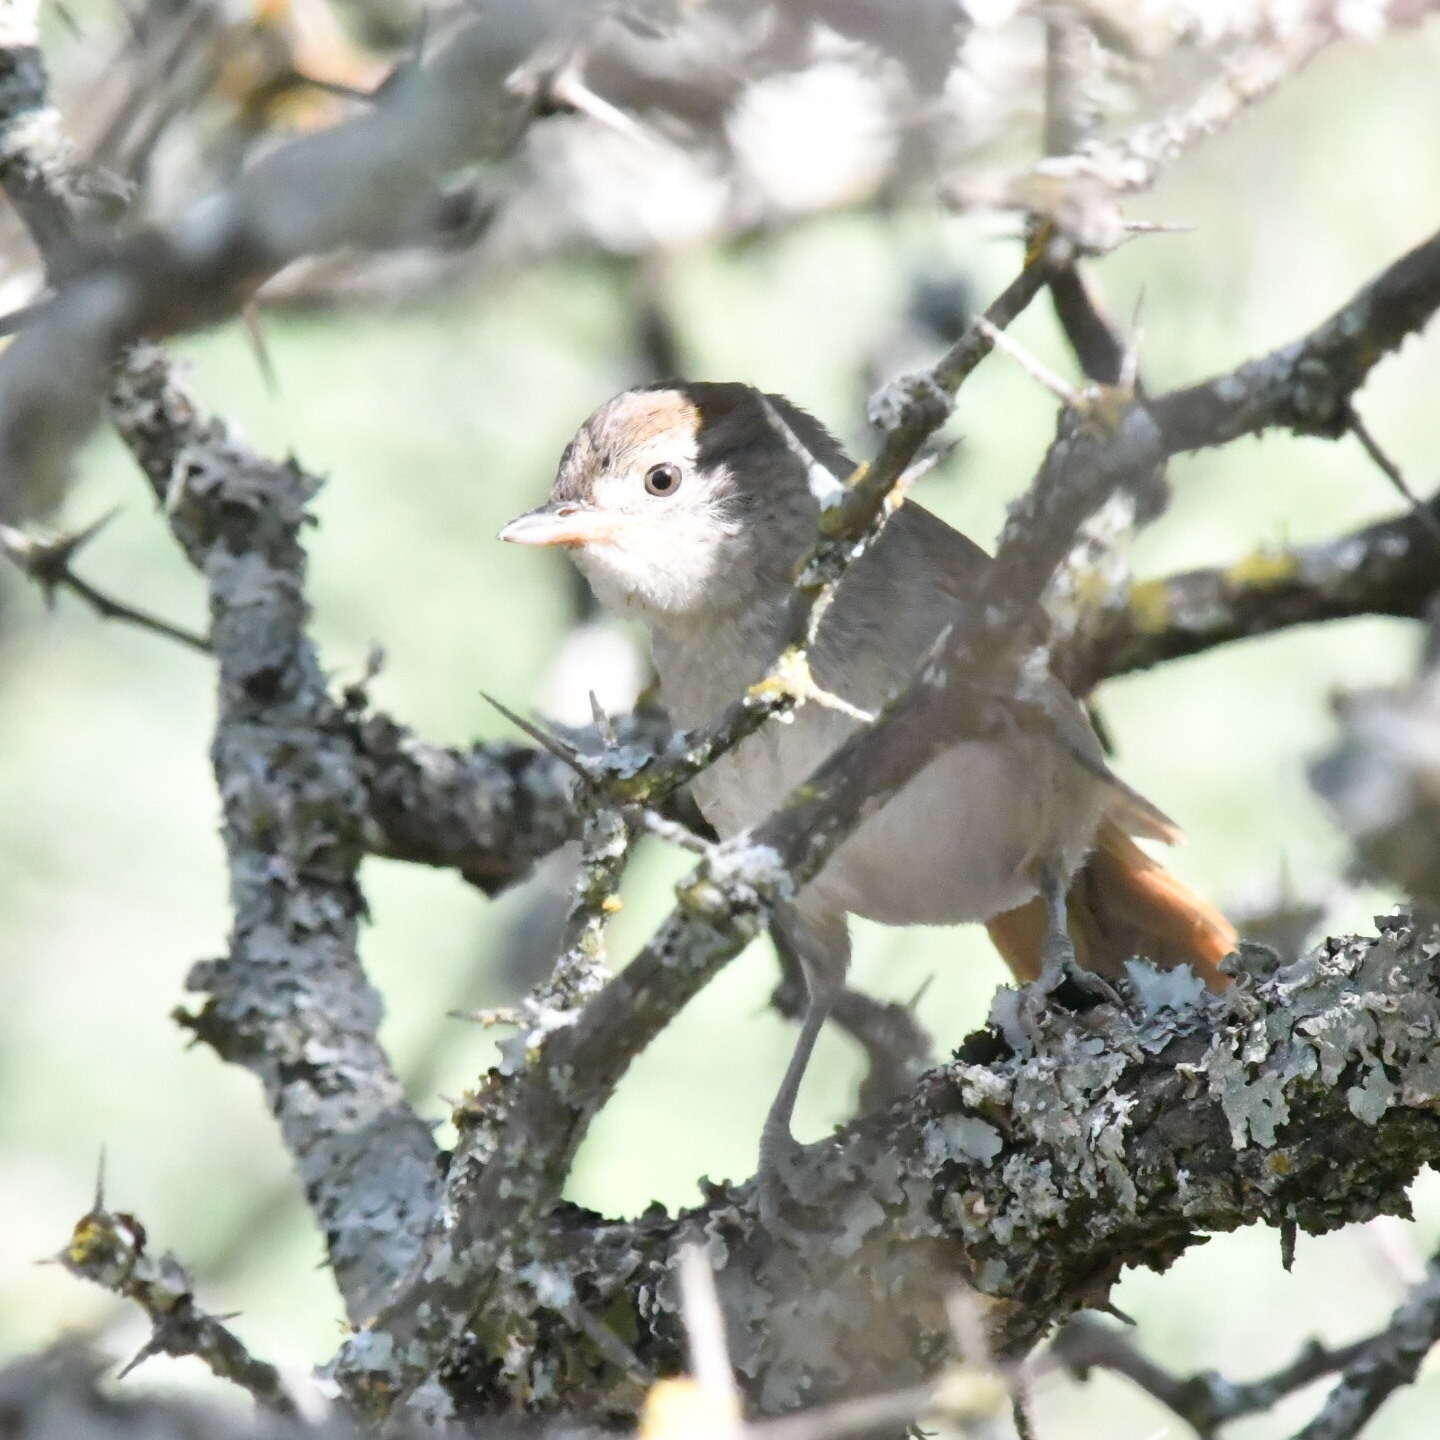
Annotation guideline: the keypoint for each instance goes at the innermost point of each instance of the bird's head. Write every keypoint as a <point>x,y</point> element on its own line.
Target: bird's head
<point>684,499</point>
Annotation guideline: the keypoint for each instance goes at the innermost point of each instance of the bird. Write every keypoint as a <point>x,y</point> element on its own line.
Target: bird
<point>688,507</point>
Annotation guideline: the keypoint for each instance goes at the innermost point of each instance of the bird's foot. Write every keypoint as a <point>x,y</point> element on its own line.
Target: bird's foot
<point>1024,1016</point>
<point>1063,980</point>
<point>775,1188</point>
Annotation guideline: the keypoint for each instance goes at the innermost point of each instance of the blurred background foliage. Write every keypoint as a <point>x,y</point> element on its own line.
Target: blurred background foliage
<point>437,410</point>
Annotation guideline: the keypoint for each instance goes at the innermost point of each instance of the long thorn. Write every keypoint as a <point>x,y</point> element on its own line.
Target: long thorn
<point>560,749</point>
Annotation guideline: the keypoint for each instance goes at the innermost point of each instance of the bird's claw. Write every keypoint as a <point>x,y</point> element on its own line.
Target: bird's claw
<point>1061,972</point>
<point>1024,1016</point>
<point>774,1185</point>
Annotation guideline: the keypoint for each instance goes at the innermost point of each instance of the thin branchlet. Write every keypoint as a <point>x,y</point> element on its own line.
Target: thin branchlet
<point>111,1249</point>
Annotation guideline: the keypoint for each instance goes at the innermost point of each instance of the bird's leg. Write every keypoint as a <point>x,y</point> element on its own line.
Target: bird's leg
<point>1059,963</point>
<point>821,942</point>
<point>897,1048</point>
<point>777,1144</point>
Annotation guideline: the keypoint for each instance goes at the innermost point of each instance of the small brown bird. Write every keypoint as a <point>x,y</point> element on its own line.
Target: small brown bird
<point>687,507</point>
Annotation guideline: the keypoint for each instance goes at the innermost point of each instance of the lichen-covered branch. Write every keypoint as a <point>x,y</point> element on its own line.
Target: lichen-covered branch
<point>1308,1097</point>
<point>1389,568</point>
<point>1307,385</point>
<point>289,1000</point>
<point>110,1249</point>
<point>374,182</point>
<point>489,811</point>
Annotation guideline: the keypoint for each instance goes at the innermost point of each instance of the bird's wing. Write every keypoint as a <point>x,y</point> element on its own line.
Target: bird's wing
<point>958,564</point>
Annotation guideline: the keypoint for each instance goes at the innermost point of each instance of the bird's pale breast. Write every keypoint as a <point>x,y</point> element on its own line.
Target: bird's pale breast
<point>958,843</point>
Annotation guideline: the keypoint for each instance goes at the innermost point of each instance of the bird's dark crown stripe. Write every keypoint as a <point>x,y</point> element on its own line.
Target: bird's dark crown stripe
<point>733,422</point>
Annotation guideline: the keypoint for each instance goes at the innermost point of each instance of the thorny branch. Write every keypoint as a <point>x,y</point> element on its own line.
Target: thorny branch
<point>974,1176</point>
<point>47,563</point>
<point>110,1248</point>
<point>289,1001</point>
<point>491,1213</point>
<point>1205,1401</point>
<point>1373,1369</point>
<point>489,811</point>
<point>1308,385</point>
<point>1382,1365</point>
<point>1389,568</point>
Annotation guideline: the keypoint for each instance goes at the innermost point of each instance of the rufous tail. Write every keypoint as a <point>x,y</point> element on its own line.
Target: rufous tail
<point>1122,903</point>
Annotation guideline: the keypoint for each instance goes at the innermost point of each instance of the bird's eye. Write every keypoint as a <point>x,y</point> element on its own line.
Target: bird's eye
<point>662,479</point>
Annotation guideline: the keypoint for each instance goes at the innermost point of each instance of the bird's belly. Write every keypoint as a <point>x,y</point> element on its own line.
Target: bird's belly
<point>954,845</point>
<point>959,843</point>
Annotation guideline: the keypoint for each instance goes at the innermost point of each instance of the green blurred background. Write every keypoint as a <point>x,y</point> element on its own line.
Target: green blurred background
<point>438,419</point>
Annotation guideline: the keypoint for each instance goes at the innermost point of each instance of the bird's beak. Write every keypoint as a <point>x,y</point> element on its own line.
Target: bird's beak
<point>562,522</point>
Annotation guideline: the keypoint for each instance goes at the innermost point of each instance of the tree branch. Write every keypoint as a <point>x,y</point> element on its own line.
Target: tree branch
<point>1382,778</point>
<point>1071,56</point>
<point>1135,160</point>
<point>1206,1400</point>
<point>290,1000</point>
<point>1382,1364</point>
<point>1390,568</point>
<point>372,182</point>
<point>1308,1097</point>
<point>47,562</point>
<point>58,1394</point>
<point>1307,386</point>
<point>109,1249</point>
<point>489,811</point>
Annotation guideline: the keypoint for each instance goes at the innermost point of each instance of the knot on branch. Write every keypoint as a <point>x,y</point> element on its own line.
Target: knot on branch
<point>916,401</point>
<point>740,881</point>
